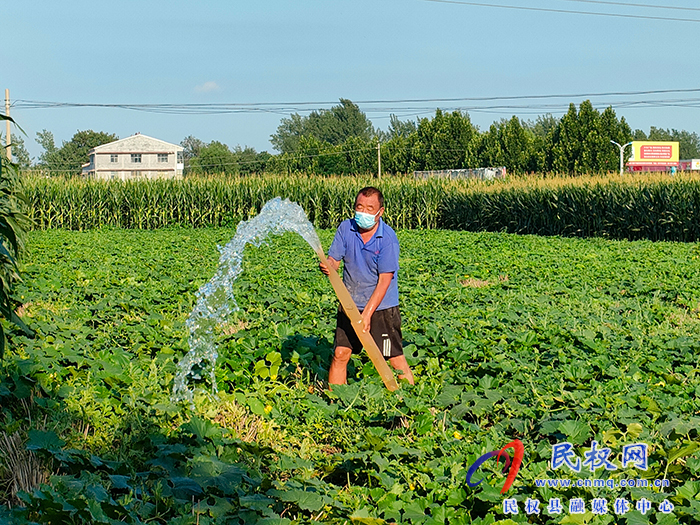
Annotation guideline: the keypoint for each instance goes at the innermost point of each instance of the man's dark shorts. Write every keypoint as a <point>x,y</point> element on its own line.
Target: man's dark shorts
<point>385,329</point>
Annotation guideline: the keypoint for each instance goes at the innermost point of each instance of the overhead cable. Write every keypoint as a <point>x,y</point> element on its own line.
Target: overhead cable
<point>628,4</point>
<point>285,107</point>
<point>565,11</point>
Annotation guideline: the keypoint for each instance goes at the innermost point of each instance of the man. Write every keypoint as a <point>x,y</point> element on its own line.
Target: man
<point>369,250</point>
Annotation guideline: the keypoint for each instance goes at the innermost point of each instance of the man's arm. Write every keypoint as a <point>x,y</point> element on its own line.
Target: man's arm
<point>376,299</point>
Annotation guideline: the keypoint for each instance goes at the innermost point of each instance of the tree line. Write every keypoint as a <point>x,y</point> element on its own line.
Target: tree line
<point>342,140</point>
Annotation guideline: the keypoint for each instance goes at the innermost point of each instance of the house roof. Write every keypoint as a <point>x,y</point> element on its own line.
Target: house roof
<point>137,142</point>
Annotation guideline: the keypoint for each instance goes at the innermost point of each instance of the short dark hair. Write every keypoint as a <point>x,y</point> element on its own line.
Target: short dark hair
<point>368,191</point>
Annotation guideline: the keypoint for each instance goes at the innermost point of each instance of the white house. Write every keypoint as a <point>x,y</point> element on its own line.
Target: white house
<point>138,156</point>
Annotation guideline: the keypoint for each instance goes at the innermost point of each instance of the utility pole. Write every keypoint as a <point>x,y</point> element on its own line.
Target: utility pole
<point>622,151</point>
<point>379,160</point>
<point>8,148</point>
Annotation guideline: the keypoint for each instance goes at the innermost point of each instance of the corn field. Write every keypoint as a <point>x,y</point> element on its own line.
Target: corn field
<point>632,207</point>
<point>79,204</point>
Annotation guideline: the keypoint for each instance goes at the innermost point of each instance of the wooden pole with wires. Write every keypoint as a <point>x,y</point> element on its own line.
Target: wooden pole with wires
<point>8,139</point>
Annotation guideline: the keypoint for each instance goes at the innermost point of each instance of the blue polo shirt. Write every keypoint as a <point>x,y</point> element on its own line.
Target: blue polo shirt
<point>364,262</point>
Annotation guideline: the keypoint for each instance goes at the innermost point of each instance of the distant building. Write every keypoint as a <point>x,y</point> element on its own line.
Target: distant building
<point>474,173</point>
<point>138,156</point>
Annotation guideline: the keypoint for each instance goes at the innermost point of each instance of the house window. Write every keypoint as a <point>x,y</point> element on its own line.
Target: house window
<point>113,157</point>
<point>136,158</point>
<point>162,157</point>
<point>136,173</point>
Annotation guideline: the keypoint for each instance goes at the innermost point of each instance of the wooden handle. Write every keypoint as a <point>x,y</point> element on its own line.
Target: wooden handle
<point>356,319</point>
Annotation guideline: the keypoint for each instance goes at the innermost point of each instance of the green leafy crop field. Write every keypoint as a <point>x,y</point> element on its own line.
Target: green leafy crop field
<point>545,340</point>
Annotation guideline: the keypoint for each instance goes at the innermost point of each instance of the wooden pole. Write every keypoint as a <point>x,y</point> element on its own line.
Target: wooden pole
<point>379,160</point>
<point>8,138</point>
<point>356,319</point>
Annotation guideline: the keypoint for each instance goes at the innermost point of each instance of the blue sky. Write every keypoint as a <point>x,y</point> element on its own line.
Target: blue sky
<point>176,52</point>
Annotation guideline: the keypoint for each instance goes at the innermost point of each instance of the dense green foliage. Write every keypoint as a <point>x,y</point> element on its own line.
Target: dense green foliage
<point>542,339</point>
<point>218,158</point>
<point>20,156</point>
<point>660,208</point>
<point>577,143</point>
<point>69,158</point>
<point>333,126</point>
<point>13,223</point>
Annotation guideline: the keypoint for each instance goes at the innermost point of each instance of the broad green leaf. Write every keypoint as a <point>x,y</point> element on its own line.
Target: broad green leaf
<point>256,406</point>
<point>635,517</point>
<point>185,488</point>
<point>202,428</point>
<point>684,451</point>
<point>576,431</point>
<point>634,430</point>
<point>44,440</point>
<point>97,512</point>
<point>666,519</point>
<point>689,490</point>
<point>367,521</point>
<point>305,500</point>
<point>256,501</point>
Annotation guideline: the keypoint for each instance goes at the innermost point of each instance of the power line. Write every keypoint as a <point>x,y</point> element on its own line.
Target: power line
<point>285,107</point>
<point>565,11</point>
<point>627,4</point>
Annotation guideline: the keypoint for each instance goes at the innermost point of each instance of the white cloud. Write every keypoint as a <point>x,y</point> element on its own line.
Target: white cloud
<point>207,87</point>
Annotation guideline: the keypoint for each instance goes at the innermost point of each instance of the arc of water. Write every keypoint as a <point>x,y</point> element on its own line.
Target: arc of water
<point>215,300</point>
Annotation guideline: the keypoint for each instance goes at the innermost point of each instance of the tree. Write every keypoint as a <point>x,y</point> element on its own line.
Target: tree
<point>620,132</point>
<point>70,157</point>
<point>397,153</point>
<point>639,135</point>
<point>543,125</point>
<point>193,146</point>
<point>447,141</point>
<point>400,128</point>
<point>290,130</point>
<point>689,144</point>
<point>215,158</point>
<point>581,141</point>
<point>46,141</point>
<point>250,161</point>
<point>508,144</point>
<point>340,123</point>
<point>541,133</point>
<point>333,126</point>
<point>20,155</point>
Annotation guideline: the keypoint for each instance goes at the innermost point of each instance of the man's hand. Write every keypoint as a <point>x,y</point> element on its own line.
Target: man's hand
<point>332,265</point>
<point>366,320</point>
<point>376,299</point>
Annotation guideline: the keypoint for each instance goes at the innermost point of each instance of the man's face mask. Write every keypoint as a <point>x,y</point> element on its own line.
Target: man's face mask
<point>365,220</point>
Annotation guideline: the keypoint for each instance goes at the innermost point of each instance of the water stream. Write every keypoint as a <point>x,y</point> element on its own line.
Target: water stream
<point>215,300</point>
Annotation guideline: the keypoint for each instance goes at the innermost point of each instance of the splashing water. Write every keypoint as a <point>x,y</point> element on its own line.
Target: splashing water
<point>215,300</point>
